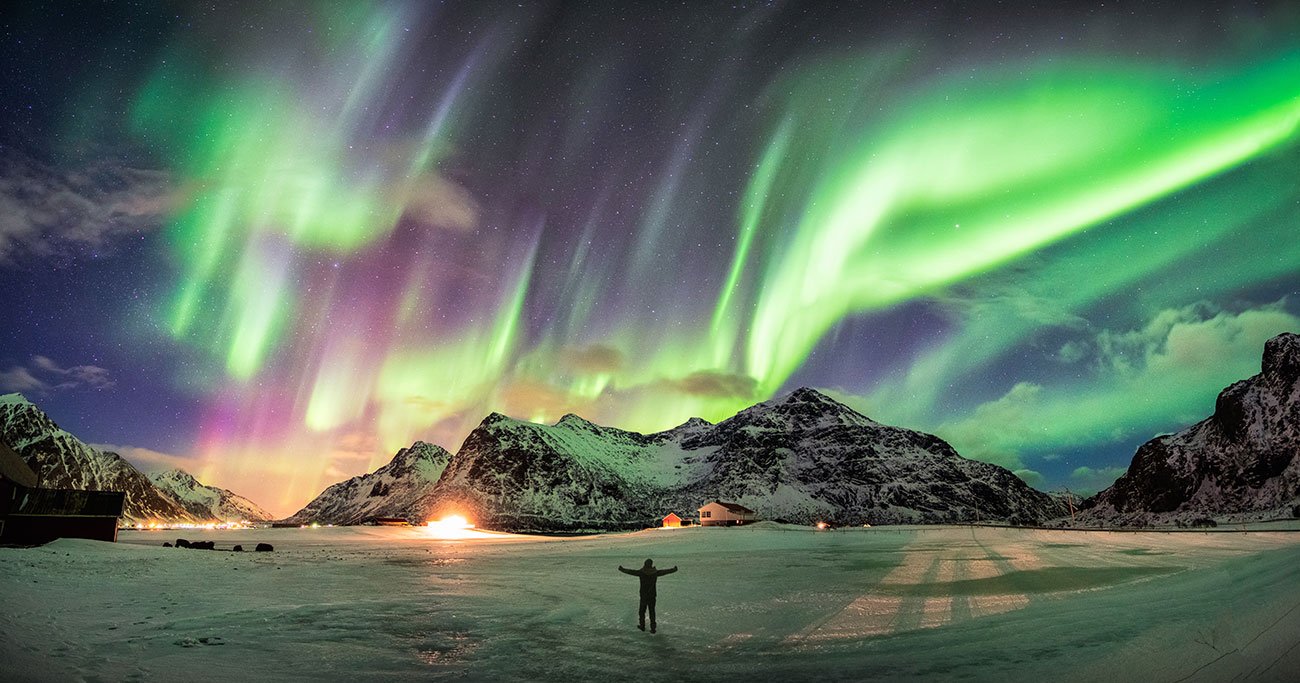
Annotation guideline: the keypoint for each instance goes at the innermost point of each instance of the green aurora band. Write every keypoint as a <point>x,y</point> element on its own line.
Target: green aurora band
<point>959,185</point>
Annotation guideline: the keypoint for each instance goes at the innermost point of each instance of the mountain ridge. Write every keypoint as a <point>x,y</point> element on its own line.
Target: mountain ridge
<point>799,457</point>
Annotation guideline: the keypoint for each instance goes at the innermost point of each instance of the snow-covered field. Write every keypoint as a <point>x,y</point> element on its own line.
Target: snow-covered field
<point>765,603</point>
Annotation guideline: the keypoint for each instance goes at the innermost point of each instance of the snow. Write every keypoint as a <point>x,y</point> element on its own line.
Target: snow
<point>765,602</point>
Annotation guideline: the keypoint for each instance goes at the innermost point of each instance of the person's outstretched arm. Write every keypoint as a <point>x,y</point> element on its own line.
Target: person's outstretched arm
<point>626,571</point>
<point>668,571</point>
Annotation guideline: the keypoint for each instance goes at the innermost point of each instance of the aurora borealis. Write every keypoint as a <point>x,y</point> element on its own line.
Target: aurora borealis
<point>299,237</point>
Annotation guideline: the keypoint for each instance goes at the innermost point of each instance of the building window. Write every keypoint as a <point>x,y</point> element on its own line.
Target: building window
<point>706,515</point>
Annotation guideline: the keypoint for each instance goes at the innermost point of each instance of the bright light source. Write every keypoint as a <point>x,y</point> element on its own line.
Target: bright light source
<point>451,526</point>
<point>822,525</point>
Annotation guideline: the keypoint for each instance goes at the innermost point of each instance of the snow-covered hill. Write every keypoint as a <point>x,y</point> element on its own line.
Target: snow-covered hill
<point>802,457</point>
<point>1239,463</point>
<point>208,502</point>
<point>394,490</point>
<point>64,461</point>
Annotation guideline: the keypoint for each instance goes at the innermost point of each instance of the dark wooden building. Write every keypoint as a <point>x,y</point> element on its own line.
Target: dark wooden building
<point>31,516</point>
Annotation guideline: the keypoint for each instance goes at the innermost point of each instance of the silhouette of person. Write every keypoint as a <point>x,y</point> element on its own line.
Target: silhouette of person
<point>649,575</point>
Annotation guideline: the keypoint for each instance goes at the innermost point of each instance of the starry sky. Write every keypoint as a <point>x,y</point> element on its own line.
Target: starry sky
<point>271,243</point>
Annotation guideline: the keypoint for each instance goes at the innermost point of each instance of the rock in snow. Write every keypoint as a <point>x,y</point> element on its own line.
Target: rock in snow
<point>801,458</point>
<point>1240,463</point>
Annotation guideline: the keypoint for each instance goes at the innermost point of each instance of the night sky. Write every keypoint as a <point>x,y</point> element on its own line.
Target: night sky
<point>272,243</point>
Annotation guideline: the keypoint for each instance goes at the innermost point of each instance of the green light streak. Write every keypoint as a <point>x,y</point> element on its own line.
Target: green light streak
<point>755,201</point>
<point>258,308</point>
<point>1234,221</point>
<point>341,388</point>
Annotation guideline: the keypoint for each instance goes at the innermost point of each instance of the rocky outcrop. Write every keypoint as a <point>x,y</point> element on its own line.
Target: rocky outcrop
<point>1242,462</point>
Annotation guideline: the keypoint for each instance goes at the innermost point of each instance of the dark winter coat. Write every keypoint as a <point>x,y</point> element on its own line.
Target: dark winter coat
<point>648,576</point>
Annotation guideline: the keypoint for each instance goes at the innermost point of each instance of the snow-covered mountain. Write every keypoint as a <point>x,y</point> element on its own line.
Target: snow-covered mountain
<point>1239,463</point>
<point>208,502</point>
<point>64,461</point>
<point>394,490</point>
<point>802,457</point>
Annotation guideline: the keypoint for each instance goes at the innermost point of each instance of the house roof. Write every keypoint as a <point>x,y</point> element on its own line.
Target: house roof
<point>672,514</point>
<point>67,502</point>
<point>14,468</point>
<point>733,507</point>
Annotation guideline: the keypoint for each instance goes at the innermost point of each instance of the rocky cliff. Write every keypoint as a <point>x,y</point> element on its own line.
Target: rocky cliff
<point>1240,463</point>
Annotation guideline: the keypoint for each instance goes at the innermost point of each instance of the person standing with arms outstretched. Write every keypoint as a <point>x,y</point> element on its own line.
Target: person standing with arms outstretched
<point>649,576</point>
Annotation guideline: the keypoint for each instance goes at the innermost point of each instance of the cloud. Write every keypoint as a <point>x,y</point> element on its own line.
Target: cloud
<point>530,398</point>
<point>714,384</point>
<point>1031,477</point>
<point>43,375</point>
<point>91,376</point>
<point>45,211</point>
<point>149,460</point>
<point>438,202</point>
<point>592,360</point>
<point>1072,352</point>
<point>352,453</point>
<point>1179,339</point>
<point>995,431</point>
<point>1009,300</point>
<point>1089,480</point>
<point>19,378</point>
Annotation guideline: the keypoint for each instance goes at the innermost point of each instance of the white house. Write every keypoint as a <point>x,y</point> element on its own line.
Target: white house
<point>719,513</point>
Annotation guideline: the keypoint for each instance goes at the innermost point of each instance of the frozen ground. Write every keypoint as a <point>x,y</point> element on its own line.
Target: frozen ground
<point>766,603</point>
